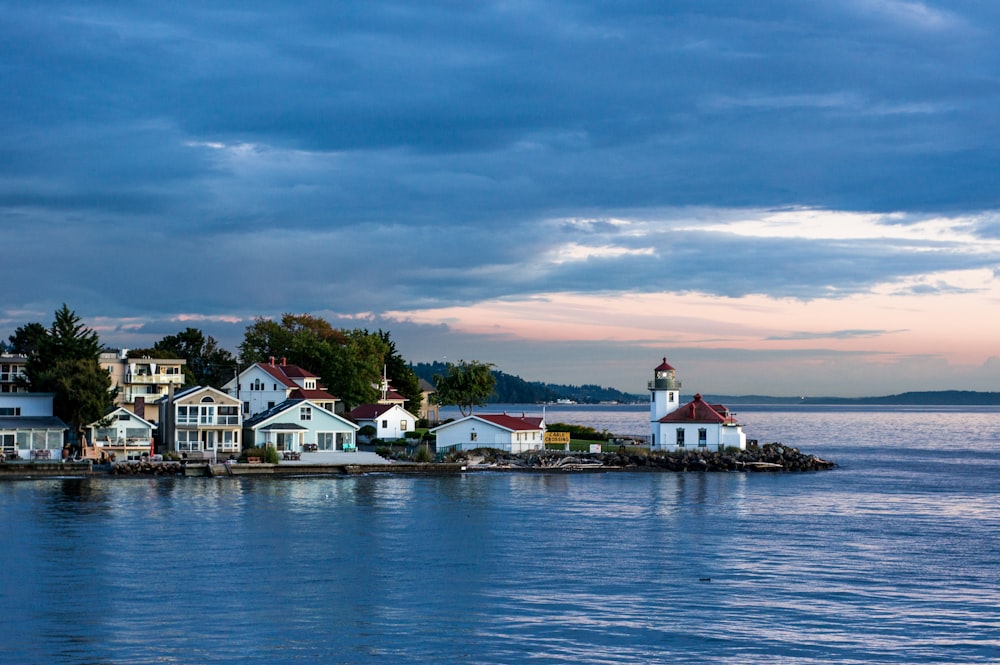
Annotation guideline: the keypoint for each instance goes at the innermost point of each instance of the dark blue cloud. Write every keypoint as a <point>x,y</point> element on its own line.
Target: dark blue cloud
<point>384,155</point>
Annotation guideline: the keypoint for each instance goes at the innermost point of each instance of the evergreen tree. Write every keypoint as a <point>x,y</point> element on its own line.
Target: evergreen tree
<point>26,338</point>
<point>66,362</point>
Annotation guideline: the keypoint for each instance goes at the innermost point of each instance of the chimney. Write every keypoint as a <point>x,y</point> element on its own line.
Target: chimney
<point>139,408</point>
<point>272,361</point>
<point>283,359</point>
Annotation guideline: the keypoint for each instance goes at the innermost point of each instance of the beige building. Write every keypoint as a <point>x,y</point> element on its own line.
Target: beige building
<point>142,381</point>
<point>201,423</point>
<point>11,369</point>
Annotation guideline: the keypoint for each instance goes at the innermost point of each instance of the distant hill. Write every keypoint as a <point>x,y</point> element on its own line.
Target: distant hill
<point>511,389</point>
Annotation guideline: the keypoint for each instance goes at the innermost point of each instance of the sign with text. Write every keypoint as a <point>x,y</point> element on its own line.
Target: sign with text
<point>560,438</point>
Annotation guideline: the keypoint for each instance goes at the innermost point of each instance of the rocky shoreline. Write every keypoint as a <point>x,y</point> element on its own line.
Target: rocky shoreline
<point>768,457</point>
<point>772,457</point>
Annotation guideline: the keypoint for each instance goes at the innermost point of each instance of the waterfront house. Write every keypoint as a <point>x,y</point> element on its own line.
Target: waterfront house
<point>123,434</point>
<point>492,430</point>
<point>262,386</point>
<point>696,425</point>
<point>12,373</point>
<point>391,421</point>
<point>201,422</point>
<point>300,425</point>
<point>28,430</point>
<point>142,381</point>
<point>429,411</point>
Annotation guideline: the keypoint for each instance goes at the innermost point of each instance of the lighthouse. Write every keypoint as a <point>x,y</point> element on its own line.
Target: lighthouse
<point>664,392</point>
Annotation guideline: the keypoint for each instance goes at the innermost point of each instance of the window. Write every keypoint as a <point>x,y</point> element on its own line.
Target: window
<point>473,436</point>
<point>187,415</point>
<point>123,416</point>
<point>207,399</point>
<point>324,441</point>
<point>10,411</point>
<point>270,405</point>
<point>702,437</point>
<point>385,424</point>
<point>345,439</point>
<point>305,413</point>
<point>229,415</point>
<point>680,437</point>
<point>246,407</point>
<point>187,441</point>
<point>229,440</point>
<point>207,415</point>
<point>402,426</point>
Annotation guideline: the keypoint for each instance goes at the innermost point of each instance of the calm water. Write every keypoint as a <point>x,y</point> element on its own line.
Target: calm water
<point>892,558</point>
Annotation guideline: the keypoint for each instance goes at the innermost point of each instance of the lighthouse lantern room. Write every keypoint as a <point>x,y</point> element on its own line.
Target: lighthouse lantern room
<point>664,390</point>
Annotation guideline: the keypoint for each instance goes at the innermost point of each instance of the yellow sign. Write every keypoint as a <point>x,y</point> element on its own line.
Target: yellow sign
<point>557,437</point>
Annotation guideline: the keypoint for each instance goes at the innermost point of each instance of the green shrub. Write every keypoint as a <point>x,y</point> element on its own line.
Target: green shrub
<point>422,454</point>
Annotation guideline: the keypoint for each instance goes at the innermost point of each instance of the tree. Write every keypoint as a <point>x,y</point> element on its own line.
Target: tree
<point>465,385</point>
<point>26,338</point>
<point>206,364</point>
<point>65,361</point>
<point>349,363</point>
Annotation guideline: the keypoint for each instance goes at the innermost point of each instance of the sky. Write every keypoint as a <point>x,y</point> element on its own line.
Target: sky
<point>784,198</point>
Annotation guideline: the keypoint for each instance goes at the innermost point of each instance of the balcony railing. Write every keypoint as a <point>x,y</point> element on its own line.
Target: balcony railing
<point>208,422</point>
<point>137,379</point>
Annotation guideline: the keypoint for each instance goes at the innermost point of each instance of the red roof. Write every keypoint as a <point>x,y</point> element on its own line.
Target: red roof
<point>664,366</point>
<point>699,411</point>
<point>511,422</point>
<point>315,395</point>
<point>369,411</point>
<point>296,372</point>
<point>277,372</point>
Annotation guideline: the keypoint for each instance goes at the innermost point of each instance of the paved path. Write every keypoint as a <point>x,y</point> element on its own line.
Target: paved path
<point>338,457</point>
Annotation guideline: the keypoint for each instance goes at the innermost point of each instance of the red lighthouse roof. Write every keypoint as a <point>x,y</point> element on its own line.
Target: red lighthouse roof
<point>664,366</point>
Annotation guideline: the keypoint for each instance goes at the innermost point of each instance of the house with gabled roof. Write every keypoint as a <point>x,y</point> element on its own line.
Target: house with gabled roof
<point>28,430</point>
<point>515,434</point>
<point>263,386</point>
<point>300,425</point>
<point>391,421</point>
<point>696,425</point>
<point>123,434</point>
<point>201,422</point>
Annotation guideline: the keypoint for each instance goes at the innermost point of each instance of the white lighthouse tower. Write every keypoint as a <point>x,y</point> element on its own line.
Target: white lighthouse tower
<point>664,391</point>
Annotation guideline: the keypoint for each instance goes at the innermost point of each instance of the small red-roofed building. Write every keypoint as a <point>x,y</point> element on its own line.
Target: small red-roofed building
<point>515,434</point>
<point>391,421</point>
<point>262,386</point>
<point>696,425</point>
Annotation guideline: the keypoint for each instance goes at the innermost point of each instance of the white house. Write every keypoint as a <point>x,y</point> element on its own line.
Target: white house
<point>298,425</point>
<point>696,425</point>
<point>123,434</point>
<point>201,421</point>
<point>391,421</point>
<point>263,386</point>
<point>491,430</point>
<point>28,430</point>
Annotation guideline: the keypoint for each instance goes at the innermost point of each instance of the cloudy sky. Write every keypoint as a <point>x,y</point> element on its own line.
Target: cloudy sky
<point>780,197</point>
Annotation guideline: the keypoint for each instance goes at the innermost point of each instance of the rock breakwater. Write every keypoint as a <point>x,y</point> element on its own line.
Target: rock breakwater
<point>769,457</point>
<point>147,469</point>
